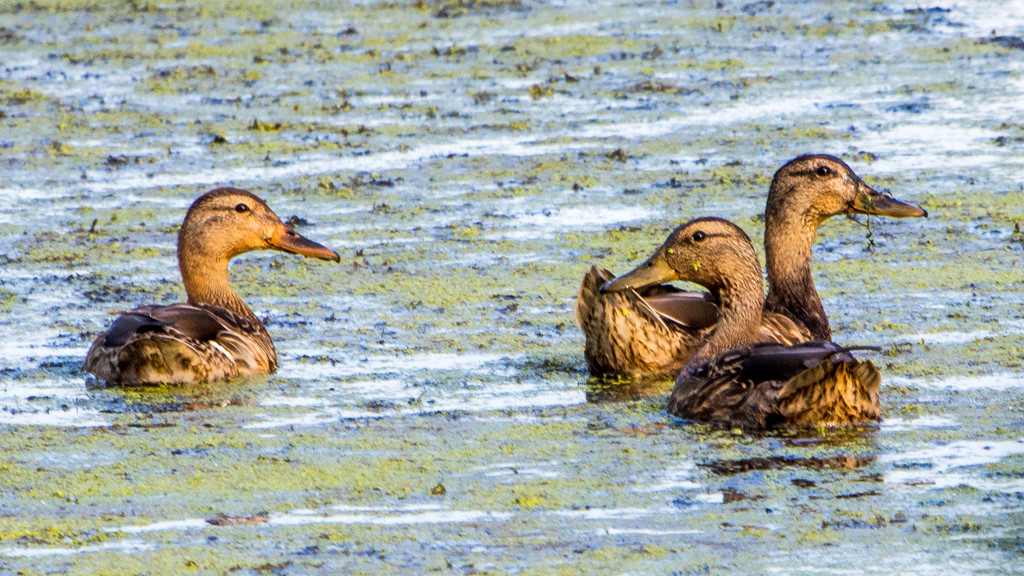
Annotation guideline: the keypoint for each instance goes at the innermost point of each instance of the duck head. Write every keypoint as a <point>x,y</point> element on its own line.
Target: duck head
<point>222,224</point>
<point>819,186</point>
<point>717,255</point>
<point>226,222</point>
<point>711,252</point>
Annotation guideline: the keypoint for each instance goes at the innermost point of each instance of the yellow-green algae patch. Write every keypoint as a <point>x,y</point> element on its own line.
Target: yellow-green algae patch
<point>470,161</point>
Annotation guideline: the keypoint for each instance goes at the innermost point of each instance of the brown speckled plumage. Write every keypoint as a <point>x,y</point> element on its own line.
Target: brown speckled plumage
<point>214,336</point>
<point>643,334</point>
<point>734,379</point>
<point>629,333</point>
<point>831,387</point>
<point>626,336</point>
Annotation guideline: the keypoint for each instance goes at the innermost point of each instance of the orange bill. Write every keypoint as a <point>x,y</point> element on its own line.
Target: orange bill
<point>287,240</point>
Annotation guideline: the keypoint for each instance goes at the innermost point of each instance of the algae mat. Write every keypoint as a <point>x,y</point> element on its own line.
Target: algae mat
<point>470,160</point>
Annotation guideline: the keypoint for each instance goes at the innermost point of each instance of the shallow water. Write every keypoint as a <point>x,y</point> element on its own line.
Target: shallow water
<point>470,161</point>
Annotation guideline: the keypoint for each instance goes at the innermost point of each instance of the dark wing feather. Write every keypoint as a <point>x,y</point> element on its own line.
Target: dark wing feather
<point>767,385</point>
<point>180,343</point>
<point>128,325</point>
<point>202,323</point>
<point>771,361</point>
<point>691,309</point>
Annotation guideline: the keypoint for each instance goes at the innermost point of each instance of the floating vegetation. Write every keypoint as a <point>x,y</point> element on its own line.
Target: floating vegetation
<point>469,160</point>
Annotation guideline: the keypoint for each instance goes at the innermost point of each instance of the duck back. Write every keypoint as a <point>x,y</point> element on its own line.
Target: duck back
<point>626,337</point>
<point>768,385</point>
<point>180,344</point>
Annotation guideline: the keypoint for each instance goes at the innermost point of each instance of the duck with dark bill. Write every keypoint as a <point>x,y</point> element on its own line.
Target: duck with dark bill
<point>735,377</point>
<point>652,330</point>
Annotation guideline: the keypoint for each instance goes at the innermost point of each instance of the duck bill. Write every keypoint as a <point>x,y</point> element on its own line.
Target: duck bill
<point>654,271</point>
<point>872,202</point>
<point>287,240</point>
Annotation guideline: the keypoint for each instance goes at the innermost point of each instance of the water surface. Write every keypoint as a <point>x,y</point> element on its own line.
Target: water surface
<point>470,161</point>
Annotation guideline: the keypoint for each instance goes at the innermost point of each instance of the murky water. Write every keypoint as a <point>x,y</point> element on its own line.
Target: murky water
<point>470,161</point>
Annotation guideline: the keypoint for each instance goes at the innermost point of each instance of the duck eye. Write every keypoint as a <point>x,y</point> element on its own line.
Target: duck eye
<point>823,170</point>
<point>699,236</point>
<point>241,208</point>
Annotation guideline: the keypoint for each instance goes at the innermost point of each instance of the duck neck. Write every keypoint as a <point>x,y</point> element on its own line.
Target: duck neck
<point>206,282</point>
<point>788,237</point>
<point>740,303</point>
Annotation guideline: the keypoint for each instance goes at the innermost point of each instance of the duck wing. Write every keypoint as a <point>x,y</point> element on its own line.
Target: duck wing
<point>770,385</point>
<point>771,361</point>
<point>180,344</point>
<point>190,321</point>
<point>695,310</point>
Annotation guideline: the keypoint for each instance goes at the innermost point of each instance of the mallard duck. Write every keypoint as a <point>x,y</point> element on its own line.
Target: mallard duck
<point>214,336</point>
<point>734,377</point>
<point>652,330</point>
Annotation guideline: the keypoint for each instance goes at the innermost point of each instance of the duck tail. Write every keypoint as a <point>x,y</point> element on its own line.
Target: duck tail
<point>835,392</point>
<point>623,335</point>
<point>587,297</point>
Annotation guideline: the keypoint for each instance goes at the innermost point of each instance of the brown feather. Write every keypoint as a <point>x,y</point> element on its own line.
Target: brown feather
<point>214,336</point>
<point>735,380</point>
<point>653,332</point>
<point>804,193</point>
<point>625,336</point>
